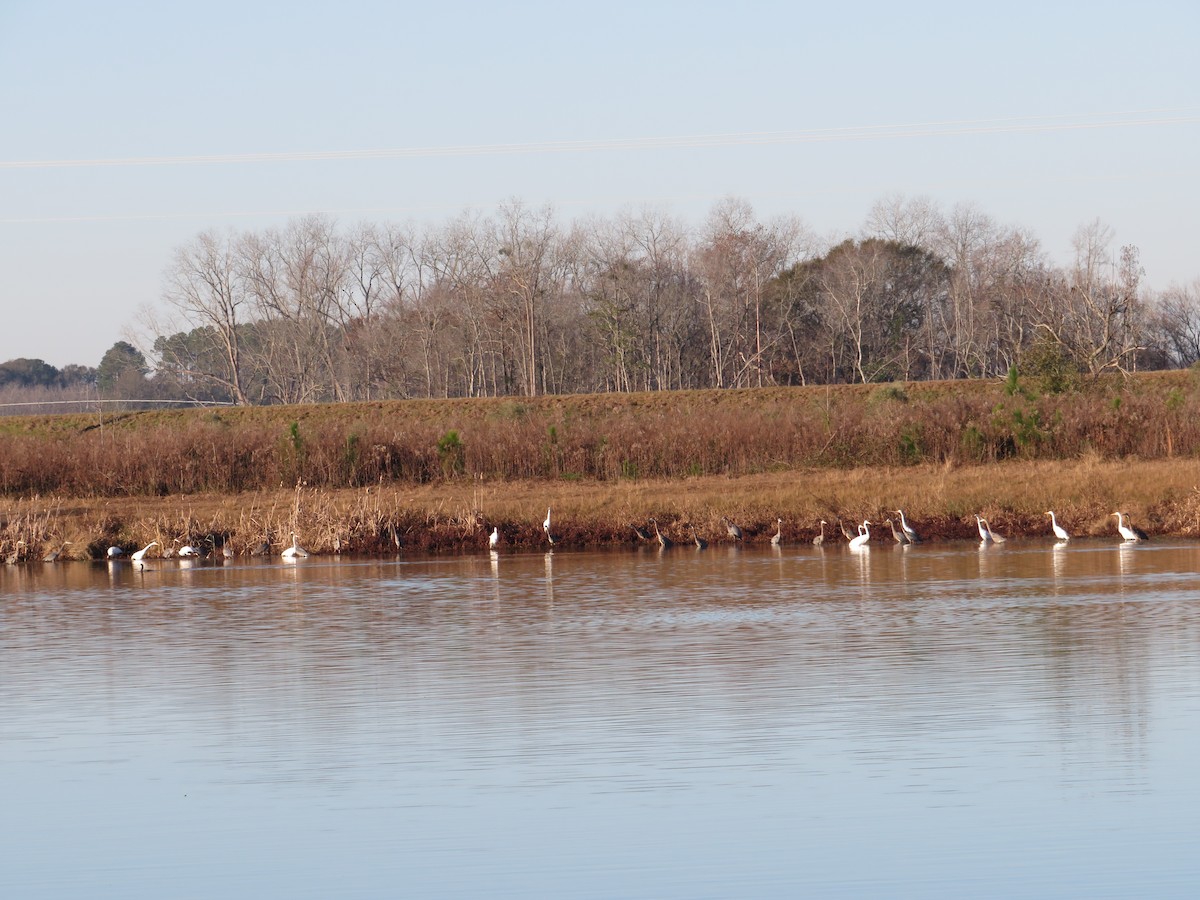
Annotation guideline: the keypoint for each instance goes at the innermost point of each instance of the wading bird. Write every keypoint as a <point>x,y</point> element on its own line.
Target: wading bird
<point>777,537</point>
<point>733,530</point>
<point>663,540</point>
<point>700,542</point>
<point>899,536</point>
<point>820,538</point>
<point>992,536</point>
<point>295,551</point>
<point>864,536</point>
<point>1059,531</point>
<point>53,555</point>
<point>18,554</point>
<point>907,530</point>
<point>1129,532</point>
<point>546,528</point>
<point>141,554</point>
<point>983,532</point>
<point>189,551</point>
<point>641,532</point>
<point>494,537</point>
<point>846,531</point>
<point>114,552</point>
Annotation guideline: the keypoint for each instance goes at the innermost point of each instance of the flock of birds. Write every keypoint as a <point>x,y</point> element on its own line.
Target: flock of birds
<point>902,533</point>
<point>177,550</point>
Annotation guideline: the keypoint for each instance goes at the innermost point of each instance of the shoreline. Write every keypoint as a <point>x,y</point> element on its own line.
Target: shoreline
<point>939,501</point>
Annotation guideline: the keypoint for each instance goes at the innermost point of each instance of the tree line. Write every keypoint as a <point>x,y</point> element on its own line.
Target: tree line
<point>517,303</point>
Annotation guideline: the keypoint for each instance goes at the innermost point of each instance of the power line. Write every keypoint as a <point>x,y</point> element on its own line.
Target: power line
<point>1026,125</point>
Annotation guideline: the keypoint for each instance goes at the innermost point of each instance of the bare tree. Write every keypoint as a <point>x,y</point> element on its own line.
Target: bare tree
<point>205,285</point>
<point>1095,314</point>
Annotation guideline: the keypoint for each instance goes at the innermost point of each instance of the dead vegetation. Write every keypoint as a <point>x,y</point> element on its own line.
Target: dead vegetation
<point>431,476</point>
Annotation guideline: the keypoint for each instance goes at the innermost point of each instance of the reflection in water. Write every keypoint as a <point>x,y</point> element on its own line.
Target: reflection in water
<point>731,723</point>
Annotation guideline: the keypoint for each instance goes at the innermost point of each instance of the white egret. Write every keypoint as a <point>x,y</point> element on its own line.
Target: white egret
<point>295,551</point>
<point>551,538</point>
<point>907,530</point>
<point>494,537</point>
<point>777,537</point>
<point>114,552</point>
<point>1129,532</point>
<point>1059,531</point>
<point>187,551</point>
<point>864,536</point>
<point>984,534</point>
<point>141,554</point>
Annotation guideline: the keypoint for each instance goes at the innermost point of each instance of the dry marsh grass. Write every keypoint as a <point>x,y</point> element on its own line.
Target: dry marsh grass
<point>428,475</point>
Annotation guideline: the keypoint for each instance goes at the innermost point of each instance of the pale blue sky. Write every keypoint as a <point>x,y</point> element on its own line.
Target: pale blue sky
<point>83,247</point>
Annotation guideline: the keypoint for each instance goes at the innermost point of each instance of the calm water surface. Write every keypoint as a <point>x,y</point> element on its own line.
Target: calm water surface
<point>935,721</point>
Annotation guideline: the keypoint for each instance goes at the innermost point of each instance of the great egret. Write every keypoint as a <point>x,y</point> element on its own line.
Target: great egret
<point>663,540</point>
<point>777,537</point>
<point>295,551</point>
<point>733,530</point>
<point>820,538</point>
<point>864,536</point>
<point>907,530</point>
<point>114,552</point>
<point>1059,531</point>
<point>1129,532</point>
<point>494,537</point>
<point>984,534</point>
<point>141,554</point>
<point>546,528</point>
<point>187,551</point>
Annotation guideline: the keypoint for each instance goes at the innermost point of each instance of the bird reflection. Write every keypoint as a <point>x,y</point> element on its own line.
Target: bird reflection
<point>550,577</point>
<point>495,565</point>
<point>1125,553</point>
<point>1058,556</point>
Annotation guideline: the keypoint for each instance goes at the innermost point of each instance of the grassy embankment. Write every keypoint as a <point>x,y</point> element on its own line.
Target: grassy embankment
<point>429,474</point>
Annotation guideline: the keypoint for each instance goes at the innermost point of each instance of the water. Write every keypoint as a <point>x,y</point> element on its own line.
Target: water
<point>933,721</point>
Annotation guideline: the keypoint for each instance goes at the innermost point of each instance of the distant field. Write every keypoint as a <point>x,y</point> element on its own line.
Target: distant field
<point>427,474</point>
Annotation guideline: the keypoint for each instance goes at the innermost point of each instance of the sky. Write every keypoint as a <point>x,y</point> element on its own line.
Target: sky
<point>127,129</point>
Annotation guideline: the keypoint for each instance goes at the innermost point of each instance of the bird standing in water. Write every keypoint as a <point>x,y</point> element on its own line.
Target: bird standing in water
<point>663,540</point>
<point>864,536</point>
<point>820,538</point>
<point>1129,532</point>
<point>141,554</point>
<point>1059,531</point>
<point>907,530</point>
